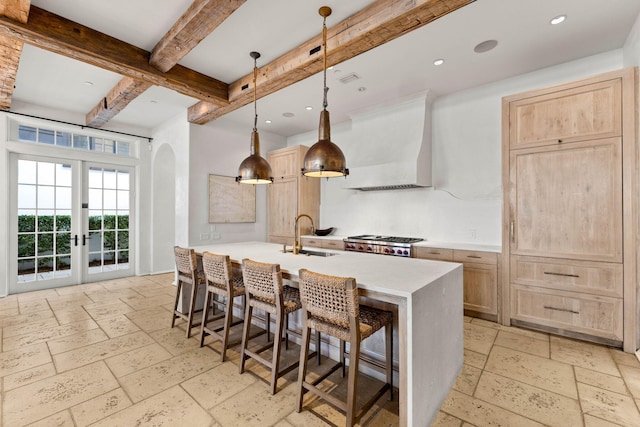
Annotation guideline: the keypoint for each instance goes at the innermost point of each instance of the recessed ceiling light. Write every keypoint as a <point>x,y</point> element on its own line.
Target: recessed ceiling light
<point>485,46</point>
<point>88,83</point>
<point>558,20</point>
<point>362,89</point>
<point>438,61</point>
<point>153,101</point>
<point>288,115</point>
<point>308,108</point>
<point>267,121</point>
<point>330,68</point>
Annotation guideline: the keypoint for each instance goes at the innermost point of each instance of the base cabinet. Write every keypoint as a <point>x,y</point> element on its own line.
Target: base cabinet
<point>480,278</point>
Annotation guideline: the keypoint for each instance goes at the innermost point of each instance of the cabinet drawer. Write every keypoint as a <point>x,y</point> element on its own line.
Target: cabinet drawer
<point>283,240</point>
<point>333,244</point>
<point>599,278</point>
<point>310,241</point>
<point>572,311</point>
<point>475,256</point>
<point>437,254</point>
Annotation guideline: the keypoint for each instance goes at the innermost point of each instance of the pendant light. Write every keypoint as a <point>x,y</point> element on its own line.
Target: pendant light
<point>254,169</point>
<point>324,159</point>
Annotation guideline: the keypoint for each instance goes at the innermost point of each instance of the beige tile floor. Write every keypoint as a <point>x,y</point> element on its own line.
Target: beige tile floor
<point>103,354</point>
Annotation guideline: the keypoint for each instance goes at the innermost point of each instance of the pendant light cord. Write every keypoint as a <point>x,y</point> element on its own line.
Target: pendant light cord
<point>325,104</point>
<point>255,90</point>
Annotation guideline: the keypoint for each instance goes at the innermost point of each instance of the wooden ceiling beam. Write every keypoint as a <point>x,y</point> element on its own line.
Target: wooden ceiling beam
<point>11,50</point>
<point>62,36</point>
<point>196,23</point>
<point>378,23</point>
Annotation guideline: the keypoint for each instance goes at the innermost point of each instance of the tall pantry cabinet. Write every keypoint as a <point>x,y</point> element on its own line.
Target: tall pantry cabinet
<point>570,229</point>
<point>290,194</point>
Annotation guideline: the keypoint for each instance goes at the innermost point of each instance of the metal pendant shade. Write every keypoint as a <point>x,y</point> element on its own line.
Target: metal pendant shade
<point>255,169</point>
<point>324,159</point>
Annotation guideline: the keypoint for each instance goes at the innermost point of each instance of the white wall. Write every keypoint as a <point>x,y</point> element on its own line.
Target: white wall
<point>219,149</point>
<point>632,46</point>
<point>465,203</point>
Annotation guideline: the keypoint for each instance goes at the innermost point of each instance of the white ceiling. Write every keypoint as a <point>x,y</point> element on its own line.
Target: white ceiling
<point>526,42</point>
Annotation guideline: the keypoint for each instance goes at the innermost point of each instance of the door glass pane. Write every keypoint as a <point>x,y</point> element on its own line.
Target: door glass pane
<point>108,219</point>
<point>44,219</point>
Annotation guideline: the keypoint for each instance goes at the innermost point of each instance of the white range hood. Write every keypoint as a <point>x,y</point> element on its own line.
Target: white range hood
<point>390,146</point>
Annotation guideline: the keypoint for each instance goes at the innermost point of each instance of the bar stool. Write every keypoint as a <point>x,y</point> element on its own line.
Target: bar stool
<point>187,266</point>
<point>330,305</point>
<point>220,281</point>
<point>264,290</point>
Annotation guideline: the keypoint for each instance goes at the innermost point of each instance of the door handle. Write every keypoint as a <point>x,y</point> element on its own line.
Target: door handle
<point>75,240</point>
<point>84,240</point>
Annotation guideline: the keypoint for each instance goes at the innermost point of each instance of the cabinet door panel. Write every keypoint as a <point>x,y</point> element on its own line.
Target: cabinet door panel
<point>282,206</point>
<point>586,112</point>
<point>568,201</point>
<point>284,162</point>
<point>480,288</point>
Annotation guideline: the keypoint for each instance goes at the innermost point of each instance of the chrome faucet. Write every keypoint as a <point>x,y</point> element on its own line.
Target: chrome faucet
<point>296,232</point>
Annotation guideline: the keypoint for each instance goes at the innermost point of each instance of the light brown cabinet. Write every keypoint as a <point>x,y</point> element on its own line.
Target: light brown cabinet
<point>290,194</point>
<point>337,244</point>
<point>480,278</point>
<point>570,211</point>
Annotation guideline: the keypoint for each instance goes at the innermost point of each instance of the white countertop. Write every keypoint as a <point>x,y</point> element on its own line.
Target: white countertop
<point>430,244</point>
<point>387,274</point>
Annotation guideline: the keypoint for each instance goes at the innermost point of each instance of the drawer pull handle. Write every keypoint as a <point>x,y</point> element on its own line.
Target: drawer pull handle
<point>474,256</point>
<point>561,309</point>
<point>434,253</point>
<point>551,273</point>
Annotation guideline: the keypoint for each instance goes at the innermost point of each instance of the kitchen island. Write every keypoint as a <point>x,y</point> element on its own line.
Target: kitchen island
<point>428,298</point>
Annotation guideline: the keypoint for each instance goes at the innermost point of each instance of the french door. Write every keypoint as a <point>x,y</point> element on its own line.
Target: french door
<point>73,222</point>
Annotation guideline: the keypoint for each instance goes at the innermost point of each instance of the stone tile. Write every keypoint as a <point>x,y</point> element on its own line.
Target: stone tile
<point>622,358</point>
<point>148,381</point>
<point>30,306</point>
<point>100,311</point>
<point>511,329</point>
<point>217,385</point>
<point>467,380</point>
<point>446,420</point>
<point>28,376</point>
<point>141,302</point>
<point>523,343</point>
<point>583,354</point>
<point>76,289</point>
<point>591,421</point>
<point>137,359</point>
<point>106,295</point>
<point>44,335</point>
<point>175,341</point>
<point>71,342</point>
<point>171,408</point>
<point>37,295</point>
<point>71,315</point>
<point>99,351</point>
<point>600,380</point>
<point>480,412</point>
<point>265,409</point>
<point>478,338</point>
<point>8,312</point>
<point>100,407</point>
<point>150,312</point>
<point>23,319</point>
<point>51,395</point>
<point>67,302</point>
<point>532,402</point>
<point>9,302</point>
<point>61,419</point>
<point>631,376</point>
<point>477,360</point>
<point>23,358</point>
<point>608,406</point>
<point>117,326</point>
<point>12,331</point>
<point>537,371</point>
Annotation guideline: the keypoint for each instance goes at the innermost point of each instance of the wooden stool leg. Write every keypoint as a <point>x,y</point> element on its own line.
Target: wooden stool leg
<point>302,368</point>
<point>352,382</point>
<point>277,345</point>
<point>192,308</point>
<point>245,336</point>
<point>389,365</point>
<point>228,316</point>
<point>175,304</point>
<point>205,316</point>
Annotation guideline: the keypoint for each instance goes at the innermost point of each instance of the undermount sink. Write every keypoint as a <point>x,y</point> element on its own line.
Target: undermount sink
<point>313,253</point>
